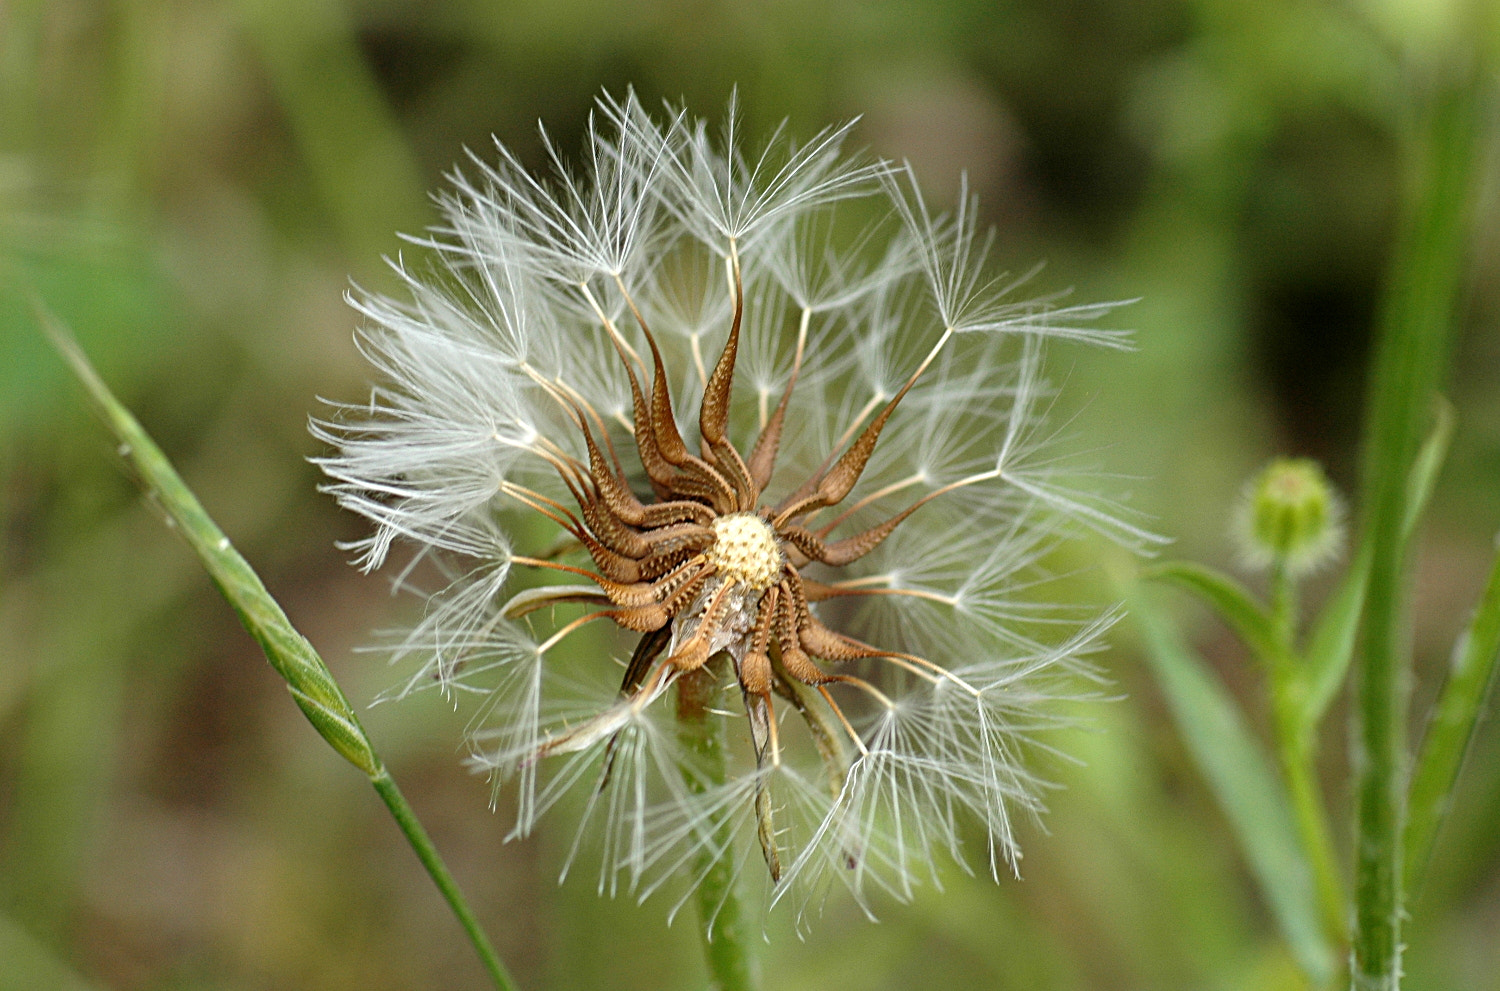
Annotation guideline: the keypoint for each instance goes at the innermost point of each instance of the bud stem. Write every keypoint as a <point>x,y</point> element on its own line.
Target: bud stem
<point>1296,747</point>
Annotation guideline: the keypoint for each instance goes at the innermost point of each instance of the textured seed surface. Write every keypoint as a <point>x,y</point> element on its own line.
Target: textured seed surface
<point>746,551</point>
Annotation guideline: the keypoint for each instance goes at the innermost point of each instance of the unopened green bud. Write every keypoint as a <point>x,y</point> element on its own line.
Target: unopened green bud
<point>1290,516</point>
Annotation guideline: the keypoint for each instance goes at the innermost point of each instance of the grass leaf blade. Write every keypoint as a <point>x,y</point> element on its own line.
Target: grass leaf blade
<point>1451,727</point>
<point>1425,469</point>
<point>1331,643</point>
<point>1244,784</point>
<point>308,679</point>
<point>288,651</point>
<point>1231,600</point>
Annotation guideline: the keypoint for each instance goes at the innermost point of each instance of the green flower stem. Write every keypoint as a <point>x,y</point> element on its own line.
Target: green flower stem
<point>1297,752</point>
<point>1415,331</point>
<point>1296,749</point>
<point>307,677</point>
<point>723,919</point>
<point>1284,606</point>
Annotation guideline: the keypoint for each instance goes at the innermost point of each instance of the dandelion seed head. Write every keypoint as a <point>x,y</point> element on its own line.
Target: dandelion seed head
<point>804,474</point>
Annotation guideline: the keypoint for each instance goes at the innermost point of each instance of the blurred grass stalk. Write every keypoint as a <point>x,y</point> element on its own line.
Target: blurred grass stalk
<point>308,678</point>
<point>1414,340</point>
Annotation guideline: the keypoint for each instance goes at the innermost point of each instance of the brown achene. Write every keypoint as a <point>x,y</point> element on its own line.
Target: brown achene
<point>708,555</point>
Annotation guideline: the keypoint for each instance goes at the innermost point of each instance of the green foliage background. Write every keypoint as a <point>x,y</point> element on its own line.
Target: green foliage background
<point>191,185</point>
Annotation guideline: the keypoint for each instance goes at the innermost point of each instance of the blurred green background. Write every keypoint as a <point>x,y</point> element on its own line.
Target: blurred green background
<point>192,186</point>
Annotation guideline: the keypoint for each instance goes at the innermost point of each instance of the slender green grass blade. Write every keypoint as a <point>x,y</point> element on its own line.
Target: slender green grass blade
<point>1245,785</point>
<point>308,679</point>
<point>1451,728</point>
<point>311,684</point>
